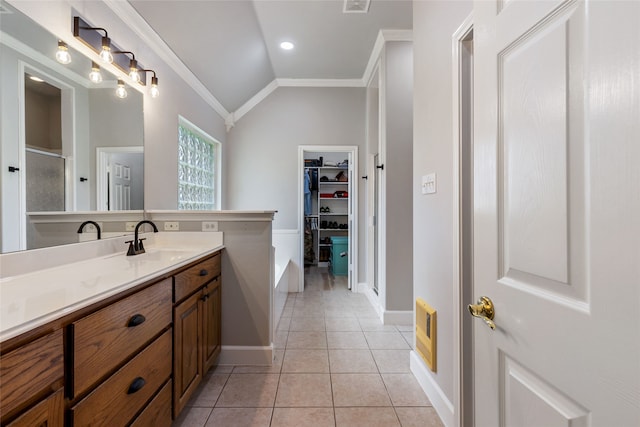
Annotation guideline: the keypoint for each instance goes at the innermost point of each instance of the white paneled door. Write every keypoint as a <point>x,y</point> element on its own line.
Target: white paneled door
<point>557,212</point>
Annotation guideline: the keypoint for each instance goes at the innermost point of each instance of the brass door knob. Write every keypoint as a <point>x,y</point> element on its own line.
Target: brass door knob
<point>484,310</point>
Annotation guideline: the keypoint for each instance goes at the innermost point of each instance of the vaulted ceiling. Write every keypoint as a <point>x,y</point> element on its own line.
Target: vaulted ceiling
<point>232,46</point>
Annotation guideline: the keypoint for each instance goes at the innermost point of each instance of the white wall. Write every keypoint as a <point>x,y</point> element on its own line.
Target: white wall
<point>262,151</point>
<point>434,23</point>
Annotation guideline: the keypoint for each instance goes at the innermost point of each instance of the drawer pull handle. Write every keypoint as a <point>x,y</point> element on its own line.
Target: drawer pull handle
<point>136,385</point>
<point>203,272</point>
<point>137,319</point>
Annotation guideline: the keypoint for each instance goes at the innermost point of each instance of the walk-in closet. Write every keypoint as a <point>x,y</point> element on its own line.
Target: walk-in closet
<point>328,211</point>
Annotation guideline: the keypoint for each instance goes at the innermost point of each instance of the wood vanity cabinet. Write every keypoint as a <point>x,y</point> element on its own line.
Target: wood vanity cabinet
<point>31,379</point>
<point>197,327</point>
<point>120,358</point>
<point>111,364</point>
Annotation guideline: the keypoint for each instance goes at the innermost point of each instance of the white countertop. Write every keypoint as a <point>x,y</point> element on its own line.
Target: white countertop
<point>35,298</point>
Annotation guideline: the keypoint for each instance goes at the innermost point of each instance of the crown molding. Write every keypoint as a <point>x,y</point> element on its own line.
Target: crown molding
<point>384,36</point>
<point>251,103</point>
<point>130,16</point>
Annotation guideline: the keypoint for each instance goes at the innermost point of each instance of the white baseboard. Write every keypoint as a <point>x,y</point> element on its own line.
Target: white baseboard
<point>441,404</point>
<point>246,355</point>
<point>397,317</point>
<point>364,288</point>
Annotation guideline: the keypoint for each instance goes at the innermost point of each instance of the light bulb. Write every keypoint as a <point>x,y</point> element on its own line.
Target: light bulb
<point>105,54</point>
<point>121,92</point>
<point>286,45</point>
<point>155,92</point>
<point>134,75</point>
<point>95,75</point>
<point>62,55</point>
<point>133,71</point>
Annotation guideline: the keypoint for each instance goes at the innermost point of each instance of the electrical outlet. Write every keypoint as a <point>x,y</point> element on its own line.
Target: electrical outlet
<point>171,226</point>
<point>130,226</point>
<point>209,225</point>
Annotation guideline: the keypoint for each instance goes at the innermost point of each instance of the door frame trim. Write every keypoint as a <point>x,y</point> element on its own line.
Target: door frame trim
<point>458,381</point>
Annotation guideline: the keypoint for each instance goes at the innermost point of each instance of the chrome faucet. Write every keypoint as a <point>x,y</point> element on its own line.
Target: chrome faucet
<point>135,246</point>
<point>81,228</point>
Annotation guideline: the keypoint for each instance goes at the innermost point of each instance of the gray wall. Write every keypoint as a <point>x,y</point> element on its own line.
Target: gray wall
<point>434,22</point>
<point>398,96</point>
<point>261,163</point>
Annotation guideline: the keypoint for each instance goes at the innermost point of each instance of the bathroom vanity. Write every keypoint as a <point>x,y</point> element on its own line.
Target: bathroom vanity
<point>111,340</point>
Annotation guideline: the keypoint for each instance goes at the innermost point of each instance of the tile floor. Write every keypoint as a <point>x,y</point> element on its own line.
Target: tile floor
<point>335,365</point>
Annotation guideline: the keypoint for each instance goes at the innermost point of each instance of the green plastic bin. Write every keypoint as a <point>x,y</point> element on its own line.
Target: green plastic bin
<point>339,256</point>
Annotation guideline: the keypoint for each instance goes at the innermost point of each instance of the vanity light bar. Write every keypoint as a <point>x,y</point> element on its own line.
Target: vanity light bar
<point>93,38</point>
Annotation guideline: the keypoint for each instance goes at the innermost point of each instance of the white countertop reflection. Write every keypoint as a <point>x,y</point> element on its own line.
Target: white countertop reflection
<point>35,298</point>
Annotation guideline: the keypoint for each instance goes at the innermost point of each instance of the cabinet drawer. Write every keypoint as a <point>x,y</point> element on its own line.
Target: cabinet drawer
<point>193,278</point>
<point>158,412</point>
<point>119,398</point>
<point>102,340</point>
<point>30,370</point>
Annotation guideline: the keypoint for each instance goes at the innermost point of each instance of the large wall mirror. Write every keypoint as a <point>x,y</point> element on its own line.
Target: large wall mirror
<point>68,143</point>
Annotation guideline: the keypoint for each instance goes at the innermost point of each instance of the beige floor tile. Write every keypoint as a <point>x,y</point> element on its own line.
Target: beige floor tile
<point>408,337</point>
<point>249,391</point>
<point>209,391</point>
<point>257,369</point>
<point>304,390</point>
<point>303,417</point>
<point>284,323</point>
<point>386,341</point>
<point>352,361</point>
<point>240,417</point>
<point>392,361</point>
<point>375,325</point>
<point>404,328</point>
<point>221,369</point>
<point>404,390</point>
<point>306,361</point>
<point>307,340</point>
<point>192,417</point>
<point>341,324</point>
<point>280,340</point>
<point>418,417</point>
<point>344,340</point>
<point>366,417</point>
<point>307,324</point>
<point>359,390</point>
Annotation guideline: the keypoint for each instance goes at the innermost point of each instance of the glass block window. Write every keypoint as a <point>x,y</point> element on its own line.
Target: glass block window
<point>197,169</point>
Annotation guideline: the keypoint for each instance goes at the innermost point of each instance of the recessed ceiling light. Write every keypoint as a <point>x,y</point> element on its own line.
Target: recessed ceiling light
<point>36,79</point>
<point>286,45</point>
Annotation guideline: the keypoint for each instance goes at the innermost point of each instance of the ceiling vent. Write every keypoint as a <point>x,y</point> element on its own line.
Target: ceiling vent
<point>356,6</point>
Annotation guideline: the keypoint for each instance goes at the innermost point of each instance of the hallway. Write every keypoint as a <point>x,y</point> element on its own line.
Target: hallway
<point>335,365</point>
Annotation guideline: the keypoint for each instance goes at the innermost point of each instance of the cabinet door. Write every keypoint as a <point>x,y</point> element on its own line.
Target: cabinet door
<point>48,413</point>
<point>187,357</point>
<point>211,330</point>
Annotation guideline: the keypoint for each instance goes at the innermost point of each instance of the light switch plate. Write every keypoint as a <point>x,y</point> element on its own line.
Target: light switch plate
<point>429,183</point>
